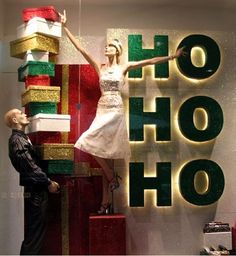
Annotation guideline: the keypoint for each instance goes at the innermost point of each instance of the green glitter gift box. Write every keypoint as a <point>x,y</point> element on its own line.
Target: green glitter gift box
<point>60,167</point>
<point>35,68</point>
<point>34,108</point>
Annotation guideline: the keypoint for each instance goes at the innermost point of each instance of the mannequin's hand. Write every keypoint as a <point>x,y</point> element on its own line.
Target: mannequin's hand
<point>63,17</point>
<point>180,52</point>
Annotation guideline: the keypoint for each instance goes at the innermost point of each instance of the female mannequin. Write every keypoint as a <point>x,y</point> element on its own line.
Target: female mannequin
<point>107,138</point>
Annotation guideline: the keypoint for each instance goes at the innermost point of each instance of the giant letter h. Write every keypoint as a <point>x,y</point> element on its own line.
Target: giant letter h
<point>160,118</point>
<point>138,183</point>
<point>137,53</point>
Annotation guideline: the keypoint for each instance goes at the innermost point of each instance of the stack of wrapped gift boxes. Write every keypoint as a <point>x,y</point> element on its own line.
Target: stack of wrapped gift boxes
<point>37,45</point>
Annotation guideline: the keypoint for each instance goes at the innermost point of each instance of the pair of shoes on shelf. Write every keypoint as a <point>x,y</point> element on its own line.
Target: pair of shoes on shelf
<point>114,183</point>
<point>221,250</point>
<point>105,209</point>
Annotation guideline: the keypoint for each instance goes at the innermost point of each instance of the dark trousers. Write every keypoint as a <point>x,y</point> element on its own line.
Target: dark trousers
<point>35,222</point>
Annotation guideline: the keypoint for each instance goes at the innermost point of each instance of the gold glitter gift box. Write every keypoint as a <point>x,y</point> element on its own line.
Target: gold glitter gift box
<point>35,42</point>
<point>96,171</point>
<point>56,151</point>
<point>41,94</point>
<point>82,169</point>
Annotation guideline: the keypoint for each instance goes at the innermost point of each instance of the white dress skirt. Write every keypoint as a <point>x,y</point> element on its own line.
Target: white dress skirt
<point>107,136</point>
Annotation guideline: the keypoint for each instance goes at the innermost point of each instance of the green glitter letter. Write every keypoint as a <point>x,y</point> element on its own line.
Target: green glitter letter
<point>214,114</point>
<point>138,183</point>
<point>138,118</point>
<point>215,184</point>
<point>211,51</point>
<point>137,53</point>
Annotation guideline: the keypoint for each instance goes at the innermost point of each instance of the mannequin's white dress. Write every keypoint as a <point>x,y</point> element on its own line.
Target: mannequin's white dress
<point>107,135</point>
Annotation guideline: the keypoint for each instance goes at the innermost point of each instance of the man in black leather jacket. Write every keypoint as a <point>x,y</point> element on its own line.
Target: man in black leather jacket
<point>35,181</point>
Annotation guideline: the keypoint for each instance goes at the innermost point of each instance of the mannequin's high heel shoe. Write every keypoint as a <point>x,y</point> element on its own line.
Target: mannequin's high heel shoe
<point>114,183</point>
<point>104,209</point>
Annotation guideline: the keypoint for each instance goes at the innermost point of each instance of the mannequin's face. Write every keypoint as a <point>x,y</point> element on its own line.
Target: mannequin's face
<point>110,50</point>
<point>20,118</point>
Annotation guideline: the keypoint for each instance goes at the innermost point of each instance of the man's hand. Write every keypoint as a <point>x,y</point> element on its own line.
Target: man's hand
<point>54,187</point>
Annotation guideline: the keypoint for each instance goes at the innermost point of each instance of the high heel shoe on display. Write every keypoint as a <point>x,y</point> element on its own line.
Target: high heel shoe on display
<point>104,209</point>
<point>114,183</point>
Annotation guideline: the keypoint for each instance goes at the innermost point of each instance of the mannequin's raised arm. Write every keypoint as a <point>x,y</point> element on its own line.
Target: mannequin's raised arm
<point>155,60</point>
<point>77,45</point>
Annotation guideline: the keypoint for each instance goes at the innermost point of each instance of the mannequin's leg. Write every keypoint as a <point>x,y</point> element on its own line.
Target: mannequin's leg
<point>107,175</point>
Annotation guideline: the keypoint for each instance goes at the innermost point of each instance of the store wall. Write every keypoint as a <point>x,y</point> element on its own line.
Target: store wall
<point>11,202</point>
<point>150,229</point>
<point>1,19</point>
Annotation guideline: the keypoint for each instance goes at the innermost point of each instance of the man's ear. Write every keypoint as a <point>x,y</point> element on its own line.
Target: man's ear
<point>14,120</point>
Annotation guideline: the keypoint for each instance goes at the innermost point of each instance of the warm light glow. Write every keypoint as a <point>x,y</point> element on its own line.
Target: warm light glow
<point>201,182</point>
<point>150,105</point>
<point>137,142</point>
<point>149,131</point>
<point>126,181</point>
<point>161,79</point>
<point>176,173</point>
<point>200,119</point>
<point>198,57</point>
<point>147,71</point>
<point>191,81</point>
<point>135,79</point>
<point>150,197</point>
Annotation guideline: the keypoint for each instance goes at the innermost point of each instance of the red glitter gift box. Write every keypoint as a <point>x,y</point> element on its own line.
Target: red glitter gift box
<point>46,12</point>
<point>38,138</point>
<point>68,215</point>
<point>41,80</point>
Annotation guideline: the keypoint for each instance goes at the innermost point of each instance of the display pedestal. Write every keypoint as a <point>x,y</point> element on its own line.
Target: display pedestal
<point>215,239</point>
<point>107,235</point>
